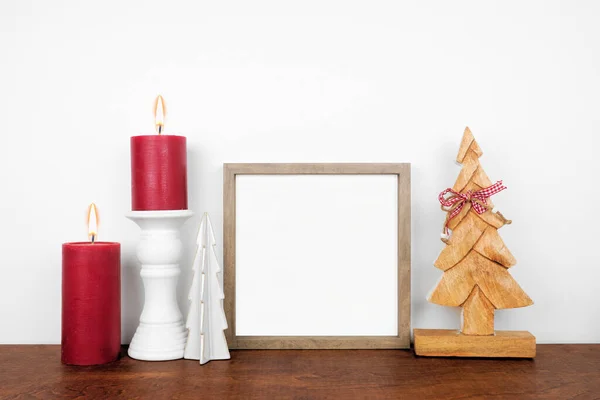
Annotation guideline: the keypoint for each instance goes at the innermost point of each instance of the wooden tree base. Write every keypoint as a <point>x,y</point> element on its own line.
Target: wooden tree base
<point>452,343</point>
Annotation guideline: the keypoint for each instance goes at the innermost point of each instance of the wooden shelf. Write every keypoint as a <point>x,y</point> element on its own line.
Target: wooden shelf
<point>558,372</point>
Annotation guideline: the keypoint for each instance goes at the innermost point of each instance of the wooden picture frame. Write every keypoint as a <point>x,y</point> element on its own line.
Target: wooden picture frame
<point>402,340</point>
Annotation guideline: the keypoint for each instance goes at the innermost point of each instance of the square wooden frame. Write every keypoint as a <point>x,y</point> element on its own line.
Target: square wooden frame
<point>402,340</point>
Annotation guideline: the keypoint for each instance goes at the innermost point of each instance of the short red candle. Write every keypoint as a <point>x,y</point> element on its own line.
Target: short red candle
<point>158,173</point>
<point>91,302</point>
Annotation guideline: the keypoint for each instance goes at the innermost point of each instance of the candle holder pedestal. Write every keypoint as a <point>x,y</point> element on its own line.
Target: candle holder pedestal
<point>161,334</point>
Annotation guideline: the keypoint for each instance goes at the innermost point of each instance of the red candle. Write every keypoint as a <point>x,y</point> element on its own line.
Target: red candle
<point>91,302</point>
<point>158,169</point>
<point>158,173</point>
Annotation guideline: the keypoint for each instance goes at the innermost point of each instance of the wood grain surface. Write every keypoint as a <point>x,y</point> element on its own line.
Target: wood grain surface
<point>452,343</point>
<point>478,315</point>
<point>558,372</point>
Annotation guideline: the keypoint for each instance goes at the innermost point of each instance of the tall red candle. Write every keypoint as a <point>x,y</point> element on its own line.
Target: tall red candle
<point>91,302</point>
<point>158,173</point>
<point>158,168</point>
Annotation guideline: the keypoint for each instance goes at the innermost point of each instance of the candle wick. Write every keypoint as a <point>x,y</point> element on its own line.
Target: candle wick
<point>93,238</point>
<point>159,128</point>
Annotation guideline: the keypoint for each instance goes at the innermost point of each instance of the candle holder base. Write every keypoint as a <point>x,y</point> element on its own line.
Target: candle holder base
<point>158,343</point>
<point>161,334</point>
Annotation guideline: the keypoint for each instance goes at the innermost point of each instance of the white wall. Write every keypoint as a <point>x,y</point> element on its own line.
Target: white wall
<point>304,81</point>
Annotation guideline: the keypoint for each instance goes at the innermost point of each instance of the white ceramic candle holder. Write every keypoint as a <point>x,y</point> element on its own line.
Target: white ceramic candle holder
<point>161,334</point>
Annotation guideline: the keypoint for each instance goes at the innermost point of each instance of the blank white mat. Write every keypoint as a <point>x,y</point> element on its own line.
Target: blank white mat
<point>316,255</point>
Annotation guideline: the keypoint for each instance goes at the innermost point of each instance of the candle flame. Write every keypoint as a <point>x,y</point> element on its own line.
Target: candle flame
<point>92,222</point>
<point>160,112</point>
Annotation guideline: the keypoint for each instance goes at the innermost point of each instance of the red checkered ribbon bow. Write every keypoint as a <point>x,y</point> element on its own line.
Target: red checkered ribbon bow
<point>456,201</point>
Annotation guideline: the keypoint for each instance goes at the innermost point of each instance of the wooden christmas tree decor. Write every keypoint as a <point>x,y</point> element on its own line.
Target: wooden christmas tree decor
<point>475,265</point>
<point>206,318</point>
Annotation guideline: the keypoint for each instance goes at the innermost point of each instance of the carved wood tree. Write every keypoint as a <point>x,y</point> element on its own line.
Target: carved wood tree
<point>475,260</point>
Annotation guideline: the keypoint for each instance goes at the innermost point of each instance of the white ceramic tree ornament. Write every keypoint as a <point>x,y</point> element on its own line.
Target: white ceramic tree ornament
<point>206,318</point>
